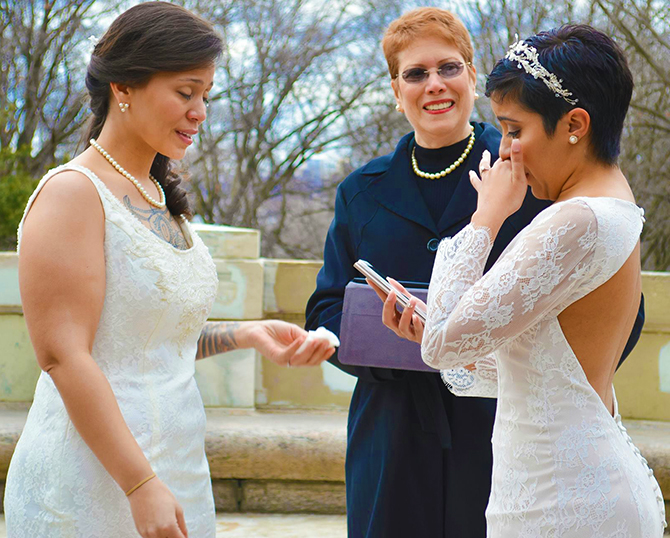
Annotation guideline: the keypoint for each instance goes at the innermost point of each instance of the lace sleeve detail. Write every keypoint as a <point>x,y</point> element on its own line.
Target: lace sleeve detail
<point>471,315</point>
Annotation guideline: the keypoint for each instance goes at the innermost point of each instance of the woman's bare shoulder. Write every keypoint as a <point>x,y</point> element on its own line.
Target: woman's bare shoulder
<point>67,204</point>
<point>68,190</point>
<point>69,183</point>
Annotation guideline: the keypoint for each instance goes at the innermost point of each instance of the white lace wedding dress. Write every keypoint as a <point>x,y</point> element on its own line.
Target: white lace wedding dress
<point>156,301</point>
<point>563,467</point>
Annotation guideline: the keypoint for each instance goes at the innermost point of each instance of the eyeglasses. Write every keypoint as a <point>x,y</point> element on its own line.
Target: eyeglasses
<point>416,75</point>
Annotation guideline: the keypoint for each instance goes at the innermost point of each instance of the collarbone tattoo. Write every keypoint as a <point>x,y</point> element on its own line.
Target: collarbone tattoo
<point>160,222</point>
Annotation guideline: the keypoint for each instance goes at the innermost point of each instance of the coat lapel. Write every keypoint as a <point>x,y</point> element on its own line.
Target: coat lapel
<point>392,186</point>
<point>463,202</point>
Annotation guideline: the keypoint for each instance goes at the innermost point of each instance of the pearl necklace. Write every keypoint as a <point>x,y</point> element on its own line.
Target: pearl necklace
<point>448,169</point>
<point>132,179</point>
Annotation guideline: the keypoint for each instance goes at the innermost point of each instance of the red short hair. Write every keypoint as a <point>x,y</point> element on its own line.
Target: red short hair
<point>421,23</point>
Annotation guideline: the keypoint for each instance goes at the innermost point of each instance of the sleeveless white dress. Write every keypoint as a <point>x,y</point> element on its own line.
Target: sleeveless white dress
<point>157,299</point>
<point>563,467</point>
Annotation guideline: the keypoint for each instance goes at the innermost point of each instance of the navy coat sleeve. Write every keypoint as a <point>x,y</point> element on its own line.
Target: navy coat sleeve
<point>325,305</point>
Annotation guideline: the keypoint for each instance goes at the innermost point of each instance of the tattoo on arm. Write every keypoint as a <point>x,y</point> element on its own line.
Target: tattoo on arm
<point>217,337</point>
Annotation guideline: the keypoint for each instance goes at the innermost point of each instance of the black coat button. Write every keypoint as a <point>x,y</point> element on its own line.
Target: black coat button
<point>433,244</point>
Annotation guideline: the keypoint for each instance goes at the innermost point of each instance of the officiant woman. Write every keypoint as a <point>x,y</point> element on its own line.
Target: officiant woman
<point>418,458</point>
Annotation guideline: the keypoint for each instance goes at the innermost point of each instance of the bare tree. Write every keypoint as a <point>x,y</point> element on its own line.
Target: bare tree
<point>643,29</point>
<point>42,58</point>
<point>303,97</point>
<point>292,87</point>
<point>41,75</point>
<point>311,78</point>
<point>495,25</point>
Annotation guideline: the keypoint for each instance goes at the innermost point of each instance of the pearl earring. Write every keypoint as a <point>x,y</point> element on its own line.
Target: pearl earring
<point>477,96</point>
<point>573,139</point>
<point>124,106</point>
<point>397,107</point>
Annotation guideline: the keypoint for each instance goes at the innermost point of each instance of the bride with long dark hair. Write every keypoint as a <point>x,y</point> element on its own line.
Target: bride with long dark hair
<point>116,290</point>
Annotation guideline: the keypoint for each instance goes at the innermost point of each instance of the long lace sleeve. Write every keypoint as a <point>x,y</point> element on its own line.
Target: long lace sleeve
<point>471,315</point>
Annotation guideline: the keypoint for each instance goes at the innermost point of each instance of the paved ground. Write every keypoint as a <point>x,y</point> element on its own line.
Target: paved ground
<point>269,526</point>
<point>280,526</point>
<point>274,526</point>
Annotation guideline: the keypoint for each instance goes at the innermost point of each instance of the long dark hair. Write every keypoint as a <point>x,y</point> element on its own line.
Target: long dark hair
<point>149,38</point>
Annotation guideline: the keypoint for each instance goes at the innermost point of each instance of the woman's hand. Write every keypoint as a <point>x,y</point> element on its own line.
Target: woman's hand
<point>406,325</point>
<point>501,189</point>
<point>156,512</point>
<point>284,344</point>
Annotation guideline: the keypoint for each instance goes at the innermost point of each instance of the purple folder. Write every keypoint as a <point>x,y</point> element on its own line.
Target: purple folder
<point>366,341</point>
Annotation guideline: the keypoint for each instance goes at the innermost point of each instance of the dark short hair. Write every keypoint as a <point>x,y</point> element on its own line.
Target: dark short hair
<point>149,38</point>
<point>590,65</point>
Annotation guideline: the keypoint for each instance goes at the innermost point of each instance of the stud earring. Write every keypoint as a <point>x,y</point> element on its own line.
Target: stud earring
<point>573,139</point>
<point>397,107</point>
<point>124,106</point>
<point>477,96</point>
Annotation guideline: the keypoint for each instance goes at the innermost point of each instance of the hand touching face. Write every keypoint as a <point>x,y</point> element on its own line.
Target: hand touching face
<point>501,188</point>
<point>549,160</point>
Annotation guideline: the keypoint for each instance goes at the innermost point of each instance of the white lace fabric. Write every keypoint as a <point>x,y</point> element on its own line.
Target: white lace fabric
<point>157,299</point>
<point>562,465</point>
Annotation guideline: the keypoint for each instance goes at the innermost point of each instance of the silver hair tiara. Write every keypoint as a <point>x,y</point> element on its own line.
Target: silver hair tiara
<point>527,59</point>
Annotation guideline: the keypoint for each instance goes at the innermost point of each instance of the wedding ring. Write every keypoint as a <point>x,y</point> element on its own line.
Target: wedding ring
<point>485,166</point>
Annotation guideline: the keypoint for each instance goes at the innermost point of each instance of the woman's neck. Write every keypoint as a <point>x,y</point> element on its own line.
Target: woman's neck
<point>129,150</point>
<point>596,179</point>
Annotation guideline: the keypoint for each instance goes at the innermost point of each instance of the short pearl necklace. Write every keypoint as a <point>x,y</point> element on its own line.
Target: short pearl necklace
<point>132,179</point>
<point>448,169</point>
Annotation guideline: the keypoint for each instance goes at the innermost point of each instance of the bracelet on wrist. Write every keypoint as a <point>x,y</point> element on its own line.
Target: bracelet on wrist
<point>140,484</point>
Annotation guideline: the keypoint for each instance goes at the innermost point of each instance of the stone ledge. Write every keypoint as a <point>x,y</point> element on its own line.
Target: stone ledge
<point>653,440</point>
<point>284,445</point>
<point>288,285</point>
<point>244,444</point>
<point>229,242</point>
<point>279,496</point>
<point>292,461</point>
<point>655,286</point>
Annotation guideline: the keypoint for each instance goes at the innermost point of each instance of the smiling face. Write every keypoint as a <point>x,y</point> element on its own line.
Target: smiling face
<point>549,161</point>
<point>439,109</point>
<point>168,110</point>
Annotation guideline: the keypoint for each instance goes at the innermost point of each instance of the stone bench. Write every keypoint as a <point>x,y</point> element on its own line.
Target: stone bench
<point>283,462</point>
<point>292,461</point>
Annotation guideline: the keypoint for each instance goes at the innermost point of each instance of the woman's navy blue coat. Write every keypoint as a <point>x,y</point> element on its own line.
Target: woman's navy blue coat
<point>418,458</point>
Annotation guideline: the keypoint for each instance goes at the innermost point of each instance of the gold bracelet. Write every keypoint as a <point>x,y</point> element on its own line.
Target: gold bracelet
<point>152,475</point>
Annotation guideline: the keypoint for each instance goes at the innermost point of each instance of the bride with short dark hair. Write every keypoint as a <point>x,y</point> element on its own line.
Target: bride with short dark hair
<point>544,329</point>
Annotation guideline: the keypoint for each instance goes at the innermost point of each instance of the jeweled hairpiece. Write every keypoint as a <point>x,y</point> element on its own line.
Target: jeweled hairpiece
<point>527,59</point>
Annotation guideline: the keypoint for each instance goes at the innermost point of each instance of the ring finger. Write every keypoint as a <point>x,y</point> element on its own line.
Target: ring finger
<point>485,162</point>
